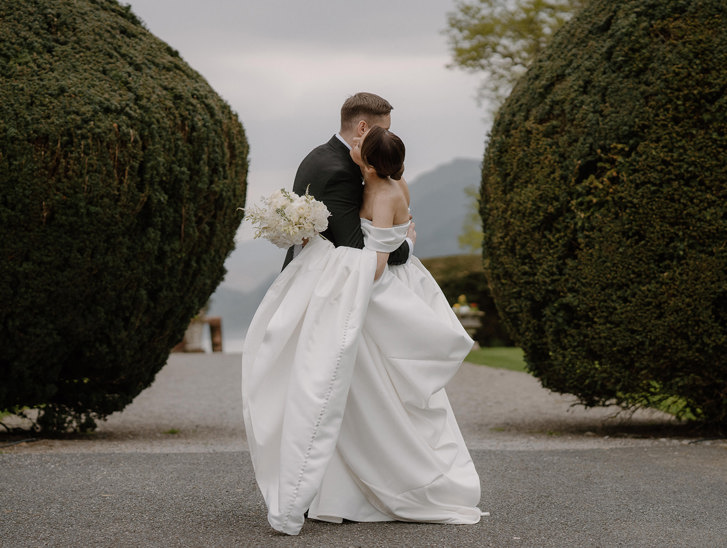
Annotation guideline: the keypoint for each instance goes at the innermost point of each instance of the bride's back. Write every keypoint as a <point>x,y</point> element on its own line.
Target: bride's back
<point>385,202</point>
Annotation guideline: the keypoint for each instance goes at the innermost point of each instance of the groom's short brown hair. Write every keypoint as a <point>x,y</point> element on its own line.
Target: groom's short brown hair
<point>365,106</point>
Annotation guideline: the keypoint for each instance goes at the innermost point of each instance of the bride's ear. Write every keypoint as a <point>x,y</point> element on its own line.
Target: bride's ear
<point>368,170</point>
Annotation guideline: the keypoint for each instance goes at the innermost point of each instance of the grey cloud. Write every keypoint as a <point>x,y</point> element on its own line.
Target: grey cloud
<point>378,26</point>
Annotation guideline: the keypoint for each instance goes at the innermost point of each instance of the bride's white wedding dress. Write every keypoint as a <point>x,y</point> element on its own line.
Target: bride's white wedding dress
<point>343,391</point>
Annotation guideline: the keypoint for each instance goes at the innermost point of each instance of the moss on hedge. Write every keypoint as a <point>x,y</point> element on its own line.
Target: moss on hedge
<point>604,205</point>
<point>121,171</point>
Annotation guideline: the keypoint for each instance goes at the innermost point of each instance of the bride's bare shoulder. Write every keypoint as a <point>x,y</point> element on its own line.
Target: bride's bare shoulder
<point>404,187</point>
<point>400,199</point>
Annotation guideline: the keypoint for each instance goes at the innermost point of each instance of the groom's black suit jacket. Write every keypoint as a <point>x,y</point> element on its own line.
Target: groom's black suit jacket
<point>332,177</point>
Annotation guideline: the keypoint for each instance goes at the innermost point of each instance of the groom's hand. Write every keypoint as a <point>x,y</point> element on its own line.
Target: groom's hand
<point>411,233</point>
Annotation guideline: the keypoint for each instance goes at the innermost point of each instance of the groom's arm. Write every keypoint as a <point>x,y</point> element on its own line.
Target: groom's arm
<point>345,221</point>
<point>400,255</point>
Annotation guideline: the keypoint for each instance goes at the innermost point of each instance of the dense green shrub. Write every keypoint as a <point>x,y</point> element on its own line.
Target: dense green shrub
<point>604,205</point>
<point>120,174</point>
<point>463,275</point>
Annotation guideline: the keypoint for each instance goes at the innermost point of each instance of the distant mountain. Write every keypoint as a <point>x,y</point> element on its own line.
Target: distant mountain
<point>438,203</point>
<point>236,308</point>
<point>251,263</point>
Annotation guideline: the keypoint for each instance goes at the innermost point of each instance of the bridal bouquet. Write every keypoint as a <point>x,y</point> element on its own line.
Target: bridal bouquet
<point>287,219</point>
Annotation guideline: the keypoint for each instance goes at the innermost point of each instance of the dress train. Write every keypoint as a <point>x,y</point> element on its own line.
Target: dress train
<point>343,392</point>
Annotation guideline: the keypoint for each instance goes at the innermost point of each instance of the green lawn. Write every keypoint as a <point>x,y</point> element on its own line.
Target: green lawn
<point>502,357</point>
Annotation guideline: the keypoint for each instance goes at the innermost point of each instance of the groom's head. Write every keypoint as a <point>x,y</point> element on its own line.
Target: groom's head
<point>362,111</point>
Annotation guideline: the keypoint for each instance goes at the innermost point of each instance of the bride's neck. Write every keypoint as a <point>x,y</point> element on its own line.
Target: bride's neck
<point>375,180</point>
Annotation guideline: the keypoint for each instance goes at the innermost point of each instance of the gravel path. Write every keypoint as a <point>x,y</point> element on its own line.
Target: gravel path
<point>172,470</point>
<point>195,405</point>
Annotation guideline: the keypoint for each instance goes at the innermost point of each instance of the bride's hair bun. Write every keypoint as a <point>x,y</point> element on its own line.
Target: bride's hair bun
<point>384,151</point>
<point>398,175</point>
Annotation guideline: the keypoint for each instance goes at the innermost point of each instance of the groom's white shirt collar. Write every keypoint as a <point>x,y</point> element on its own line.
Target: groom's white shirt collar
<point>343,141</point>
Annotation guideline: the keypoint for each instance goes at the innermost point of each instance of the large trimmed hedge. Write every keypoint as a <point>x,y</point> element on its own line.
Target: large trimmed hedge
<point>604,205</point>
<point>120,174</point>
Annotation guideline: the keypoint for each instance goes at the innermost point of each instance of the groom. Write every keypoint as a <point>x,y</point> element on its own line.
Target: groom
<point>332,177</point>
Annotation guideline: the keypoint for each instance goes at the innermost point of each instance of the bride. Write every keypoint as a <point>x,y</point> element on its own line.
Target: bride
<point>343,375</point>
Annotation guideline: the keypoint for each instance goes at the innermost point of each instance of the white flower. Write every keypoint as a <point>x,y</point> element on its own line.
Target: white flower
<point>287,219</point>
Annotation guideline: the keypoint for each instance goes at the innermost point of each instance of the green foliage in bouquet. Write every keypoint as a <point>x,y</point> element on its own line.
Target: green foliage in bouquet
<point>604,206</point>
<point>120,174</point>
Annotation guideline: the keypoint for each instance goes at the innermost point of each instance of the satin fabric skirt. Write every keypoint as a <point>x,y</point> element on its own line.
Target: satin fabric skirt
<point>344,396</point>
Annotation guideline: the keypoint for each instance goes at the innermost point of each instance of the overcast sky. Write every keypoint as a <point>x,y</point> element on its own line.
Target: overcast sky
<point>285,67</point>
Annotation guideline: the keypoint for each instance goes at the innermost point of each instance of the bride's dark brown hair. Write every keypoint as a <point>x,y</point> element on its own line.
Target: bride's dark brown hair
<point>385,152</point>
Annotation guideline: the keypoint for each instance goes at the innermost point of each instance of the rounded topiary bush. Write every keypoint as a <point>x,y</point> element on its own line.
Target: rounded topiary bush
<point>604,206</point>
<point>120,174</point>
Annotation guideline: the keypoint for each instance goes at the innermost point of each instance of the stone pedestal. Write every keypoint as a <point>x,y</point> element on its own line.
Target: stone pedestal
<point>192,341</point>
<point>471,321</point>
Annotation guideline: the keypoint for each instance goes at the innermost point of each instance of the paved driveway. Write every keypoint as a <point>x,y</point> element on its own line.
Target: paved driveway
<point>172,470</point>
